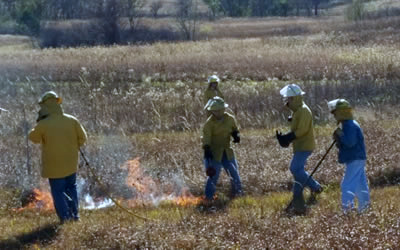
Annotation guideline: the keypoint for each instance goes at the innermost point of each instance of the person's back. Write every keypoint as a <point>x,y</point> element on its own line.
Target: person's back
<point>60,136</point>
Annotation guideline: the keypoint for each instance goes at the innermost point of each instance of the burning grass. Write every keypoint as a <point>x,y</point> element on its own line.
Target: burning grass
<point>242,223</point>
<point>251,221</point>
<point>170,163</point>
<point>144,141</point>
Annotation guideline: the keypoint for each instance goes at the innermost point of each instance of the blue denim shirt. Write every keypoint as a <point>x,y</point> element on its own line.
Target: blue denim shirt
<point>351,142</point>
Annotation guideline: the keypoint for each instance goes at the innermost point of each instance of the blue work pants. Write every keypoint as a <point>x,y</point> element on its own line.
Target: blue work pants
<point>65,197</point>
<point>355,185</point>
<point>300,175</point>
<point>231,168</point>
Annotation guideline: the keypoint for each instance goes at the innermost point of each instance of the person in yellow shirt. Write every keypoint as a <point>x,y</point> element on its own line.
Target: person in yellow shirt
<point>302,135</point>
<point>60,135</point>
<point>218,153</point>
<point>212,89</point>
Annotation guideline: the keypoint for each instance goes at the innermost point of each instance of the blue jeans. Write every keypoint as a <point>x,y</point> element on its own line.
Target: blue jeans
<point>231,168</point>
<point>300,175</point>
<point>354,184</point>
<point>65,197</point>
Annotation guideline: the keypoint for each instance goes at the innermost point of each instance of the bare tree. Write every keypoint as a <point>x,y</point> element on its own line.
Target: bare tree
<point>132,9</point>
<point>155,8</point>
<point>187,17</point>
<point>109,14</point>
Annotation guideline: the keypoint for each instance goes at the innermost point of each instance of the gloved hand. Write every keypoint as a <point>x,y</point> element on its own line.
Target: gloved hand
<point>207,152</point>
<point>290,118</point>
<point>210,171</point>
<point>236,136</point>
<point>336,135</point>
<point>42,114</point>
<point>286,139</point>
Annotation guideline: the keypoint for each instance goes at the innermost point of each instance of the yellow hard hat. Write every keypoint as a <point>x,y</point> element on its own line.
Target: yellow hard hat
<point>338,104</point>
<point>216,103</point>
<point>49,95</point>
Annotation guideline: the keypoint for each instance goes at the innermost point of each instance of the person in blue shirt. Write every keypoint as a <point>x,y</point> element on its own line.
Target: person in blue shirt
<point>350,142</point>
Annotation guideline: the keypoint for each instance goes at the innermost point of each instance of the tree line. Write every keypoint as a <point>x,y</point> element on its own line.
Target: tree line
<point>110,17</point>
<point>262,8</point>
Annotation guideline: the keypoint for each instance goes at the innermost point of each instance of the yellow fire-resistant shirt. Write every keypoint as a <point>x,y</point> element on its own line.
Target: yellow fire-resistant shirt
<point>217,134</point>
<point>60,136</point>
<point>210,93</point>
<point>302,126</point>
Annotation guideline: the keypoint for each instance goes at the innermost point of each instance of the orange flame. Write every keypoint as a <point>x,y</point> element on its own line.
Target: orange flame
<point>136,178</point>
<point>187,199</point>
<point>41,200</point>
<point>149,190</point>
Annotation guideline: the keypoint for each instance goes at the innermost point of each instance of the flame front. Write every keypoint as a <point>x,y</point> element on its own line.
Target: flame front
<point>187,199</point>
<point>41,200</point>
<point>149,191</point>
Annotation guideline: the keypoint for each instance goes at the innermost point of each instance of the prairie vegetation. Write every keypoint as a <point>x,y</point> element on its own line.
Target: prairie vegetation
<point>146,101</point>
<point>318,50</point>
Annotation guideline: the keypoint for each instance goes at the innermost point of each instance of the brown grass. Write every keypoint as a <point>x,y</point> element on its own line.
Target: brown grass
<point>338,51</point>
<point>146,102</point>
<point>243,223</point>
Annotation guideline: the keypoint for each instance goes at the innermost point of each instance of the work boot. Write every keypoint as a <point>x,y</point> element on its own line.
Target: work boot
<point>312,200</point>
<point>296,206</point>
<point>299,205</point>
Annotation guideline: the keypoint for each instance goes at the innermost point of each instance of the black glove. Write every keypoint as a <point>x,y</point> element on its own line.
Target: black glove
<point>290,118</point>
<point>210,171</point>
<point>286,139</point>
<point>207,152</point>
<point>236,136</point>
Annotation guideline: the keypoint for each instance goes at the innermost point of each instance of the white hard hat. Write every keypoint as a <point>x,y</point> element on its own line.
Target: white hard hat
<point>291,90</point>
<point>338,104</point>
<point>213,78</point>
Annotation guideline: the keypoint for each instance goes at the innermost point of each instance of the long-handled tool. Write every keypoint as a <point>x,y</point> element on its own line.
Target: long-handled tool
<point>319,163</point>
<point>105,189</point>
<point>312,199</point>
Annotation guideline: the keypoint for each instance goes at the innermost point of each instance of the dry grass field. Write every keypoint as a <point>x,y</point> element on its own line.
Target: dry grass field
<point>319,49</point>
<point>143,105</point>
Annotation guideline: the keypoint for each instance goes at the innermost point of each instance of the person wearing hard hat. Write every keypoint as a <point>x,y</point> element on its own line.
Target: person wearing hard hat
<point>60,135</point>
<point>302,136</point>
<point>218,153</point>
<point>350,141</point>
<point>212,89</point>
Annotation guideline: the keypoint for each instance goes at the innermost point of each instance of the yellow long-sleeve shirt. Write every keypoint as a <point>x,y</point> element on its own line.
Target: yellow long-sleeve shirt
<point>217,134</point>
<point>302,126</point>
<point>60,136</point>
